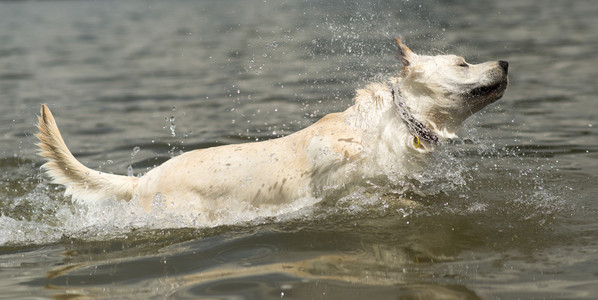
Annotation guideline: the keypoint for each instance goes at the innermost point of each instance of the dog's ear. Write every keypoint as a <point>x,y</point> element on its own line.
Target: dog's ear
<point>405,54</point>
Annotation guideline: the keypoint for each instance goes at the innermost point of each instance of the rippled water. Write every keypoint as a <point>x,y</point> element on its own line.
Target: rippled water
<point>506,211</point>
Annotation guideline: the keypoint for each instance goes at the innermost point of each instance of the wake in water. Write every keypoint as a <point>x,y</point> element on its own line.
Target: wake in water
<point>42,215</point>
<point>35,212</point>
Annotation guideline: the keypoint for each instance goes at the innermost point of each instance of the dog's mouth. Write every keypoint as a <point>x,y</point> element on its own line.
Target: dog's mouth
<point>490,91</point>
<point>481,96</point>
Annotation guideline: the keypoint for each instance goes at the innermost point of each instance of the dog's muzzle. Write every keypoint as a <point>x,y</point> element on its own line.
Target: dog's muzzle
<point>494,90</point>
<point>504,65</point>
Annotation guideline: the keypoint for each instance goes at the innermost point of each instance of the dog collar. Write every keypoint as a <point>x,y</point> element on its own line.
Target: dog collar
<point>416,128</point>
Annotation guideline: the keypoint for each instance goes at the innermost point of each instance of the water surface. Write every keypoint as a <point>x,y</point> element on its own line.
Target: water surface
<point>505,211</point>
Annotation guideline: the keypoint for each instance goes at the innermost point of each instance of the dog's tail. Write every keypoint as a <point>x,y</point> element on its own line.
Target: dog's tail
<point>80,181</point>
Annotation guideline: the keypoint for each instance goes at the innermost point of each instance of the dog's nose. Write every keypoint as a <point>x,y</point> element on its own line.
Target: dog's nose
<point>504,65</point>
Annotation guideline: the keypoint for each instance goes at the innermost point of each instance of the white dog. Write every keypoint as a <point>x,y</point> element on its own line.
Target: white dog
<point>383,136</point>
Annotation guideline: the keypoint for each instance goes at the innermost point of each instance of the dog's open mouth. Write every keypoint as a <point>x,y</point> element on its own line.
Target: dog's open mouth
<point>489,90</point>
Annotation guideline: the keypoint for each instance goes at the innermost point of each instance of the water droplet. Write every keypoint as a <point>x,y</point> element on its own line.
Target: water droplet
<point>172,126</point>
<point>136,150</point>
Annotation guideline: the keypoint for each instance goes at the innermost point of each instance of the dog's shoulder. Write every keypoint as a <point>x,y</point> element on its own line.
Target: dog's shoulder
<point>375,97</point>
<point>334,133</point>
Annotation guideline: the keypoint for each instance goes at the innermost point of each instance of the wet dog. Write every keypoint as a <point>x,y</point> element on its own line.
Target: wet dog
<point>385,135</point>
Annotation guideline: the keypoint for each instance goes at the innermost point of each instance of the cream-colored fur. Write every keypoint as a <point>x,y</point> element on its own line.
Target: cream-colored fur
<point>368,142</point>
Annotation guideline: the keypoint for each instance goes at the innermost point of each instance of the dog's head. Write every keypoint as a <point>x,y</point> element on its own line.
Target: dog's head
<point>443,90</point>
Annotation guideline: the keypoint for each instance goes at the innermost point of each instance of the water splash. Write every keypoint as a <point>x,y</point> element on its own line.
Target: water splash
<point>136,150</point>
<point>172,126</point>
<point>469,177</point>
<point>42,215</point>
<point>454,186</point>
<point>130,172</point>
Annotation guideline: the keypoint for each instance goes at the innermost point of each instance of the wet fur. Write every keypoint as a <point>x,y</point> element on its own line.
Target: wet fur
<point>366,142</point>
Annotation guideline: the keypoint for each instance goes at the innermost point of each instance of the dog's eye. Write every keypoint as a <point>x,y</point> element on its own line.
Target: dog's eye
<point>463,64</point>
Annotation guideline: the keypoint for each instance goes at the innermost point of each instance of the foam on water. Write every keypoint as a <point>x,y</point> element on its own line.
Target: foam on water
<point>43,216</point>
